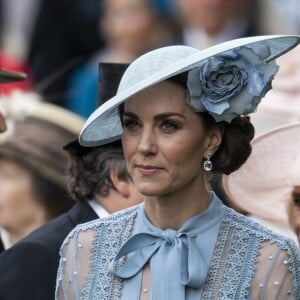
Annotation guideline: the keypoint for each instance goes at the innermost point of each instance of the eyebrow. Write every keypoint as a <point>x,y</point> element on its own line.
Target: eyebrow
<point>156,117</point>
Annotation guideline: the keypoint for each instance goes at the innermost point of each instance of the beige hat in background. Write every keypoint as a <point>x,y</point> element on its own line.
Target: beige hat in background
<point>36,132</point>
<point>281,106</point>
<point>263,185</point>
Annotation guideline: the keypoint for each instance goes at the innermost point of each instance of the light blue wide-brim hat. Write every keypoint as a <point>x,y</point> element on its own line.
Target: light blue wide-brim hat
<point>104,125</point>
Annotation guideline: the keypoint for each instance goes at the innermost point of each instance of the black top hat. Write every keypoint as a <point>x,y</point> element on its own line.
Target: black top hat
<point>110,75</point>
<point>8,76</point>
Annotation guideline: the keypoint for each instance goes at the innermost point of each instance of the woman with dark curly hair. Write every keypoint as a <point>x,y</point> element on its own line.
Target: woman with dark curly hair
<point>181,113</point>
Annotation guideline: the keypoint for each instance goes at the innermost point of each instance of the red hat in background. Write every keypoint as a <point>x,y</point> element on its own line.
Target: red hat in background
<point>12,75</point>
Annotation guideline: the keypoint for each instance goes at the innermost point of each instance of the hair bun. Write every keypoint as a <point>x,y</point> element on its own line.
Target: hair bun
<point>235,147</point>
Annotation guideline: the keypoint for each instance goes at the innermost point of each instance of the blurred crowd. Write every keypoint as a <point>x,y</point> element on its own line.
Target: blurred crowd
<point>59,44</point>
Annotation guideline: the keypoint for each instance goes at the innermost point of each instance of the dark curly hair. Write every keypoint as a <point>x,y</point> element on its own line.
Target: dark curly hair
<point>89,171</point>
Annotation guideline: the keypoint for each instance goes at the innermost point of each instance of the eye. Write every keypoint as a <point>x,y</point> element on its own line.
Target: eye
<point>169,126</point>
<point>130,124</point>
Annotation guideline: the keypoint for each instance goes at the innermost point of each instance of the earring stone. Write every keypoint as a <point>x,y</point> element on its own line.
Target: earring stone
<point>207,164</point>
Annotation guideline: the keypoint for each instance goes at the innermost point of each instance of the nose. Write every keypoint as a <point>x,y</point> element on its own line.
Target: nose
<point>147,142</point>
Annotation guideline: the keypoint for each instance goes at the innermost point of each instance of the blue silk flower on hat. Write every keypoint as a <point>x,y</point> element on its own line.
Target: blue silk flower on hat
<point>231,84</point>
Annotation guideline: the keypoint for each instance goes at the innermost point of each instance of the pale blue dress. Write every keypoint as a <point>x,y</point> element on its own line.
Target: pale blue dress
<point>218,254</point>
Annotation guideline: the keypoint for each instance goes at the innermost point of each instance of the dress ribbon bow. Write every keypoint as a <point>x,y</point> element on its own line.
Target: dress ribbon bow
<point>141,247</point>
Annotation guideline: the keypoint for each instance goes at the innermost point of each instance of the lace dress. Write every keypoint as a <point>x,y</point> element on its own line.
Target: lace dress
<point>218,254</point>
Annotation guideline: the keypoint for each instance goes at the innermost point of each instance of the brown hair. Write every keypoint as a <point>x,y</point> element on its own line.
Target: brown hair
<point>89,171</point>
<point>235,147</point>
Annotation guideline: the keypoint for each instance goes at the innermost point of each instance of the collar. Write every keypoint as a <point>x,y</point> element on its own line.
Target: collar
<point>99,210</point>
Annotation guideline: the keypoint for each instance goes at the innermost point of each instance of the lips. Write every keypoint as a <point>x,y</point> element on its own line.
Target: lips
<point>148,170</point>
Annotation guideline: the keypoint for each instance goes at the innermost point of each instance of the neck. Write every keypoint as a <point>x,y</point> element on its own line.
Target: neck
<point>113,202</point>
<point>171,211</point>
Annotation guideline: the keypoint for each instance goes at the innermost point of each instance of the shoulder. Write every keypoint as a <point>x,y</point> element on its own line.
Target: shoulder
<point>115,219</point>
<point>247,226</point>
<point>259,249</point>
<point>21,260</point>
<point>113,224</point>
<point>38,252</point>
<point>22,253</point>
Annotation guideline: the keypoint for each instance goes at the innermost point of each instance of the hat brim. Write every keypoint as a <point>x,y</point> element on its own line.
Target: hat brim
<point>8,76</point>
<point>73,147</point>
<point>104,125</point>
<point>263,185</point>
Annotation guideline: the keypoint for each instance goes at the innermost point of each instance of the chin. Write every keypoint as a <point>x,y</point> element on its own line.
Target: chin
<point>150,190</point>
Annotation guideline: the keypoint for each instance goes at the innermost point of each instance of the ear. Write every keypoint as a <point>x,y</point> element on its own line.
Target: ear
<point>120,186</point>
<point>213,141</point>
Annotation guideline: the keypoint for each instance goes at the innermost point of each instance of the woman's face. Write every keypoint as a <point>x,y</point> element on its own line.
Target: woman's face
<point>17,203</point>
<point>164,141</point>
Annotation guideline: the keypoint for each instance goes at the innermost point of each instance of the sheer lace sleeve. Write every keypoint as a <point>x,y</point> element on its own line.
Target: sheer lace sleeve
<point>74,264</point>
<point>277,273</point>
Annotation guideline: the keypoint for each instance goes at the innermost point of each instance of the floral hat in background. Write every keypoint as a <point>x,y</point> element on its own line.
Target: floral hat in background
<point>227,80</point>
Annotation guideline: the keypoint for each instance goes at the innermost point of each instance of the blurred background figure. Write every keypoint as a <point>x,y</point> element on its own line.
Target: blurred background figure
<point>7,77</point>
<point>49,39</point>
<point>267,185</point>
<point>100,185</point>
<point>98,181</point>
<point>209,22</point>
<point>32,164</point>
<point>133,27</point>
<point>129,28</point>
<point>279,17</point>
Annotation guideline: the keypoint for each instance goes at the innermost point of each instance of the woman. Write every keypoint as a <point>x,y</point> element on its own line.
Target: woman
<point>32,164</point>
<point>180,119</point>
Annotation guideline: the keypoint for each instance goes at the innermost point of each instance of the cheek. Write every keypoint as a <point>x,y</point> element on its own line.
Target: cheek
<point>129,145</point>
<point>184,151</point>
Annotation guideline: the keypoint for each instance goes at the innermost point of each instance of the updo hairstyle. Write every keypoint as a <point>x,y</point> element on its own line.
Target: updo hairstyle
<point>235,147</point>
